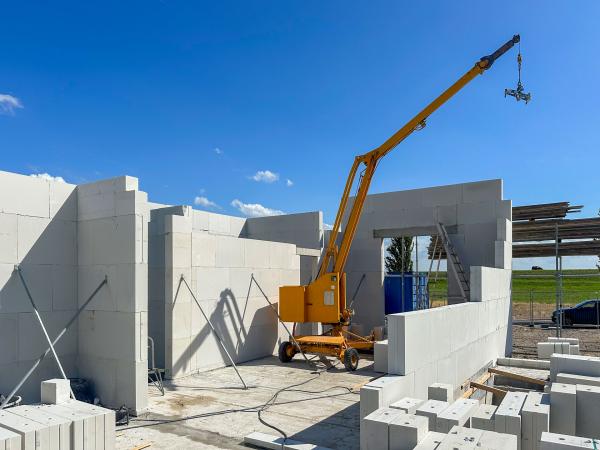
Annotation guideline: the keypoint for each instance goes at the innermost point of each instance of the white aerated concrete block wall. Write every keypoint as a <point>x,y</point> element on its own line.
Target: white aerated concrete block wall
<point>477,218</point>
<point>217,265</point>
<point>113,241</point>
<point>575,364</point>
<point>38,232</point>
<point>426,345</point>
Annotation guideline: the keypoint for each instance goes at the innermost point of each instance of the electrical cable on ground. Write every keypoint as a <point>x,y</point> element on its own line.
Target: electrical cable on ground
<point>259,409</point>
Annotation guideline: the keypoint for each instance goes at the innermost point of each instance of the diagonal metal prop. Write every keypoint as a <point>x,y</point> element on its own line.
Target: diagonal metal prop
<point>54,342</point>
<point>182,279</point>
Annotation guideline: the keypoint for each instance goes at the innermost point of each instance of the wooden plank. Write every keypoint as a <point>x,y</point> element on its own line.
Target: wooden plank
<point>516,376</point>
<point>483,379</point>
<point>485,387</point>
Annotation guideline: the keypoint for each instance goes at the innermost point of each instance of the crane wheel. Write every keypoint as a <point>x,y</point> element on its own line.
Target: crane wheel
<point>286,352</point>
<point>351,359</point>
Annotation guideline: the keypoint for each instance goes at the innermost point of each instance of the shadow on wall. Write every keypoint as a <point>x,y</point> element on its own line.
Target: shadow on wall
<point>46,250</point>
<point>243,342</point>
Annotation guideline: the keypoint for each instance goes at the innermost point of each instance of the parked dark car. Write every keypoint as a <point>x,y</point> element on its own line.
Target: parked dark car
<point>585,313</point>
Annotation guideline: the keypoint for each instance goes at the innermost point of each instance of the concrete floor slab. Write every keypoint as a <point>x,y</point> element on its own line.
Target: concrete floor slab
<point>321,412</point>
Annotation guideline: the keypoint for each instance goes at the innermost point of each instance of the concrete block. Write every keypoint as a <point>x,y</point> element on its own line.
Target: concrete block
<point>461,437</point>
<point>380,355</point>
<point>34,435</point>
<point>441,391</point>
<point>497,441</point>
<point>576,364</point>
<point>431,441</point>
<point>230,252</point>
<point>574,349</point>
<point>104,420</point>
<point>572,341</point>
<point>535,419</point>
<point>483,417</point>
<point>204,250</point>
<point>375,428</point>
<point>554,441</point>
<point>219,224</point>
<point>262,440</point>
<point>524,363</point>
<point>563,408</point>
<point>33,198</point>
<point>8,238</point>
<point>457,414</point>
<point>407,404</point>
<point>9,440</point>
<point>588,411</point>
<point>83,425</point>
<point>406,431</point>
<point>59,428</point>
<point>508,418</point>
<point>55,391</point>
<point>569,378</point>
<point>432,409</point>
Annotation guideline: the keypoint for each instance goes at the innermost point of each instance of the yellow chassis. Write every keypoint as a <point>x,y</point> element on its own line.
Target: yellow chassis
<point>335,343</point>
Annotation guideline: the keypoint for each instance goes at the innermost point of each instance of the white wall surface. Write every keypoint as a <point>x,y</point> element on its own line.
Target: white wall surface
<point>217,265</point>
<point>38,230</point>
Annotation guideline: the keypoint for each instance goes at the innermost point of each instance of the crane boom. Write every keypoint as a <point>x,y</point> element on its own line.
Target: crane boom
<point>324,299</point>
<point>371,159</point>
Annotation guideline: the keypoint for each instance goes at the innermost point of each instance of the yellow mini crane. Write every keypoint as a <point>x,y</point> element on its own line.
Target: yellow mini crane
<point>324,299</point>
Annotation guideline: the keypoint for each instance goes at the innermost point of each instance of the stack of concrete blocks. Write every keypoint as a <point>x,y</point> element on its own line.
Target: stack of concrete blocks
<point>573,343</point>
<point>431,441</point>
<point>112,238</point>
<point>457,414</point>
<point>478,221</point>
<point>217,264</point>
<point>406,431</point>
<point>554,441</point>
<point>535,420</point>
<point>375,429</point>
<point>380,393</point>
<point>38,231</point>
<point>424,346</point>
<point>563,346</point>
<point>508,415</point>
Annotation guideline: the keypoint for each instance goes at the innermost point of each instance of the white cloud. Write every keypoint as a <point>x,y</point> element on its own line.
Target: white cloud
<point>205,202</point>
<point>48,177</point>
<point>8,104</point>
<point>266,176</point>
<point>218,151</point>
<point>327,226</point>
<point>289,183</point>
<point>255,209</point>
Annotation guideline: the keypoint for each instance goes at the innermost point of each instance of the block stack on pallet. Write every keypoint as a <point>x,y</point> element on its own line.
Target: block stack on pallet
<point>63,424</point>
<point>565,416</point>
<point>563,346</point>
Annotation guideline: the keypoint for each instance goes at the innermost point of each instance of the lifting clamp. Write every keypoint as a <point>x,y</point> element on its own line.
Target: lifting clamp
<point>518,93</point>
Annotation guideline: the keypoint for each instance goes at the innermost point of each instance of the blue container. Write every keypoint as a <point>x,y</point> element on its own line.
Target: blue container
<point>415,292</point>
<point>395,302</point>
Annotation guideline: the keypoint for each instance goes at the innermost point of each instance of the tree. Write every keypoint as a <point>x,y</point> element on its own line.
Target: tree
<point>399,253</point>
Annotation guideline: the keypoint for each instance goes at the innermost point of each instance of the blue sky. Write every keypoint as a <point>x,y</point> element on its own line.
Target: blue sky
<point>197,98</point>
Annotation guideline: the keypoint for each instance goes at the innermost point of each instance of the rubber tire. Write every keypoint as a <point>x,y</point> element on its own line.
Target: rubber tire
<point>284,353</point>
<point>351,359</point>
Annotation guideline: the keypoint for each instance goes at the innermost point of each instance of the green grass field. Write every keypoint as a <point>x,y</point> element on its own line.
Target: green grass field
<point>542,289</point>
